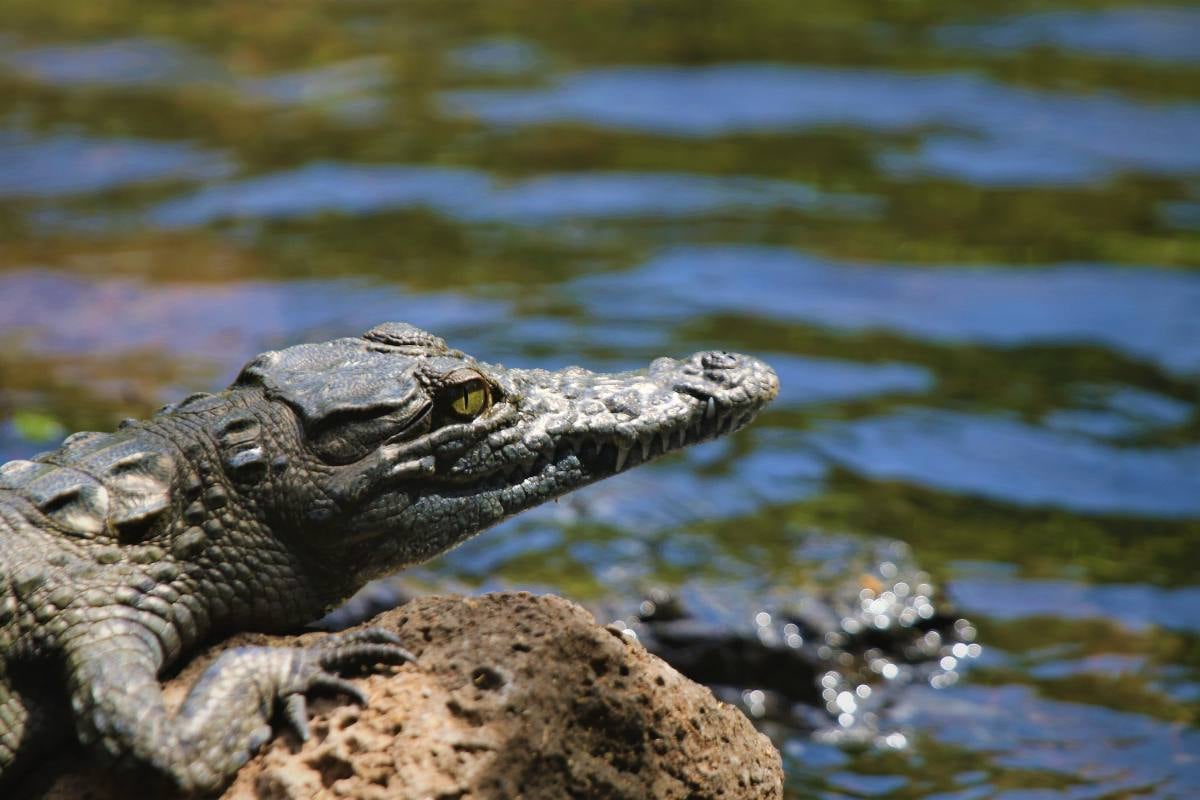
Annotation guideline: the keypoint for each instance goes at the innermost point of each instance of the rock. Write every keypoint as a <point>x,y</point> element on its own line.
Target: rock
<point>515,696</point>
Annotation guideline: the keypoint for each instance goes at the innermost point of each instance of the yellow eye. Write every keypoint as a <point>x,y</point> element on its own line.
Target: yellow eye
<point>470,398</point>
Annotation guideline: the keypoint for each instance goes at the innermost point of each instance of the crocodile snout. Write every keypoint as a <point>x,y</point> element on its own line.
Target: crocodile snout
<point>728,378</point>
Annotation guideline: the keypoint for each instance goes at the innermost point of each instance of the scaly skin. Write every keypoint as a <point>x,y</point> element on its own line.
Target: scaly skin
<point>262,507</point>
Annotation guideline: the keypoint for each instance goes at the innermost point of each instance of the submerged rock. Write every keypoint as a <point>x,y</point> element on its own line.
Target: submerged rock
<point>826,661</point>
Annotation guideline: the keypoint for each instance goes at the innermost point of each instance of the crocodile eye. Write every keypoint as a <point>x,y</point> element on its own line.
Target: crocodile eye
<point>468,398</point>
<point>472,401</point>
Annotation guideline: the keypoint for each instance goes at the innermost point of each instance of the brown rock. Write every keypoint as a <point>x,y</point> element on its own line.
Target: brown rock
<point>515,696</point>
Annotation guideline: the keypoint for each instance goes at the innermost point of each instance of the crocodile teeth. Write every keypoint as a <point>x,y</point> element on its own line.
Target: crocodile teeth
<point>622,454</point>
<point>665,438</point>
<point>682,436</point>
<point>710,408</point>
<point>646,442</point>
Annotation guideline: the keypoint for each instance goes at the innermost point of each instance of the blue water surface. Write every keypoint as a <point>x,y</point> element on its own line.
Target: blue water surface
<point>973,128</point>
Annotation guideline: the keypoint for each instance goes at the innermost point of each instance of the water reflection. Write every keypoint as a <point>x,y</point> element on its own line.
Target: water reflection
<point>498,56</point>
<point>1086,751</point>
<point>1017,463</point>
<point>51,312</point>
<point>1115,412</point>
<point>1109,664</point>
<point>805,381</point>
<point>1001,134</point>
<point>475,196</point>
<point>1164,33</point>
<point>349,89</point>
<point>1183,214</point>
<point>1150,408</point>
<point>66,164</point>
<point>1145,313</point>
<point>1136,606</point>
<point>136,63</point>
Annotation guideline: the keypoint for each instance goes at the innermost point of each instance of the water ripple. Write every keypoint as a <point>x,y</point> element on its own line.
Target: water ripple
<point>1098,752</point>
<point>1020,135</point>
<point>1135,605</point>
<point>349,88</point>
<point>497,56</point>
<point>1145,313</point>
<point>1152,34</point>
<point>58,312</point>
<point>1114,412</point>
<point>133,62</point>
<point>475,196</point>
<point>66,164</point>
<point>1014,462</point>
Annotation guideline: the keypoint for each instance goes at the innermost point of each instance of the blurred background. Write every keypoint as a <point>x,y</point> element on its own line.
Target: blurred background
<point>967,236</point>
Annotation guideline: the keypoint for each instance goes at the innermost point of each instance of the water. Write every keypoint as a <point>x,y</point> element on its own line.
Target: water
<point>967,238</point>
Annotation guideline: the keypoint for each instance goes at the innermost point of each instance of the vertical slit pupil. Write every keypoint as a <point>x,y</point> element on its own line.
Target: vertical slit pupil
<point>469,398</point>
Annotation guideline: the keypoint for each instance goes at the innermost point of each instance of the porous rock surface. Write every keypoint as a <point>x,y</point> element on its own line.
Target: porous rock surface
<point>515,696</point>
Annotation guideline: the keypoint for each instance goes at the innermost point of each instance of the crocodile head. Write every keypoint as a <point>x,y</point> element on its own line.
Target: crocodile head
<point>414,447</point>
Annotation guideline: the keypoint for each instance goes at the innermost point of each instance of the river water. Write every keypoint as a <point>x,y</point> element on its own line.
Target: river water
<point>967,235</point>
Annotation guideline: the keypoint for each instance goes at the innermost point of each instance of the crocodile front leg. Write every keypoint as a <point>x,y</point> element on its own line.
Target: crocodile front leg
<point>119,710</point>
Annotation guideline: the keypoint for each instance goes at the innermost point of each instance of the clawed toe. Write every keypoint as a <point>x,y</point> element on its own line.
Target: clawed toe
<point>335,684</point>
<point>354,651</point>
<point>361,649</point>
<point>363,656</point>
<point>363,636</point>
<point>295,711</point>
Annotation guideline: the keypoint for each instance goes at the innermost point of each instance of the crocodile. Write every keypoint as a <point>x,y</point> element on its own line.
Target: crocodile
<point>262,507</point>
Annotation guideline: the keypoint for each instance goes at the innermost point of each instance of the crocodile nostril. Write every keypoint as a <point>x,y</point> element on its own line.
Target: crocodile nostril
<point>718,359</point>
